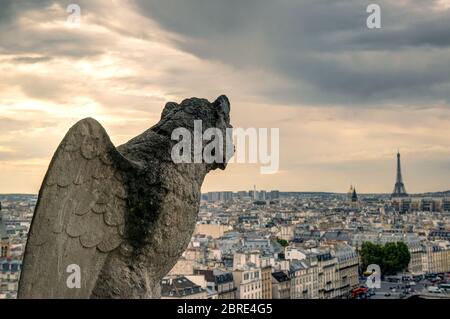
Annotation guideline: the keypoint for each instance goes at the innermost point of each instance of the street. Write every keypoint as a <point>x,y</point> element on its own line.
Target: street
<point>397,290</point>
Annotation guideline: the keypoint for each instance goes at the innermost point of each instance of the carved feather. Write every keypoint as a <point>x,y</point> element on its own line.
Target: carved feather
<point>80,215</point>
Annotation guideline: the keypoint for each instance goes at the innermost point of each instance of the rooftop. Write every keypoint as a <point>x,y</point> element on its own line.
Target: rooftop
<point>179,287</point>
<point>280,276</point>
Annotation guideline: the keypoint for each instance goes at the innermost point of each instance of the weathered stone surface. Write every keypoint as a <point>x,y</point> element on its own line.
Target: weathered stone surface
<point>124,215</point>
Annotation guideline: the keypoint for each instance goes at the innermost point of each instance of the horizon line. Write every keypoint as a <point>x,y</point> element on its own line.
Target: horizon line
<point>267,190</point>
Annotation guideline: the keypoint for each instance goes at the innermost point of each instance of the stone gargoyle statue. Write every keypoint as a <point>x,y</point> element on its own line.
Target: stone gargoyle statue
<point>120,216</point>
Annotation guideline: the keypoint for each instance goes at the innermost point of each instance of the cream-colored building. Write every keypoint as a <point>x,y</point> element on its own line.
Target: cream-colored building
<point>328,276</point>
<point>347,267</point>
<point>9,281</point>
<point>415,266</point>
<point>328,272</point>
<point>281,285</point>
<point>241,259</point>
<point>266,274</point>
<point>213,230</point>
<point>294,253</point>
<point>248,281</point>
<point>4,249</point>
<point>200,280</point>
<point>184,267</point>
<point>286,232</point>
<point>304,279</point>
<point>195,253</point>
<point>220,281</point>
<point>436,257</point>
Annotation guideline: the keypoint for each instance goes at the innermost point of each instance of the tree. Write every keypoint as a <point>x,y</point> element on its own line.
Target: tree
<point>390,261</point>
<point>283,242</point>
<point>370,254</point>
<point>404,256</point>
<point>392,257</point>
<point>396,257</point>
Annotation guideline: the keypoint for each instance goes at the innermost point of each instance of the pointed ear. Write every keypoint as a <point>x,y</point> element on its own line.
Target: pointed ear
<point>168,108</point>
<point>223,104</point>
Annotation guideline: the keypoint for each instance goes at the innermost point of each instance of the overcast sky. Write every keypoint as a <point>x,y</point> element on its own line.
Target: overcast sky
<point>344,97</point>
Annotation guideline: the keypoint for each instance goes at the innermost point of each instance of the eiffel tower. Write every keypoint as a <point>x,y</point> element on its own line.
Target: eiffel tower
<point>399,188</point>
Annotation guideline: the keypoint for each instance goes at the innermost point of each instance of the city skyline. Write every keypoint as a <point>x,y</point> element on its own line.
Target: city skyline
<point>230,153</point>
<point>243,249</point>
<point>398,180</point>
<point>344,102</point>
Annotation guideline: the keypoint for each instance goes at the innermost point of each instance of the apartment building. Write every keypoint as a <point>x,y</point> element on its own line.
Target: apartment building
<point>415,266</point>
<point>328,276</point>
<point>330,271</point>
<point>281,285</point>
<point>220,281</point>
<point>248,281</point>
<point>304,279</point>
<point>436,257</point>
<point>266,274</point>
<point>181,288</point>
<point>347,267</point>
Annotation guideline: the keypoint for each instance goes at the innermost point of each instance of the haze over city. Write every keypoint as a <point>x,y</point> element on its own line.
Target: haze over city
<point>344,97</point>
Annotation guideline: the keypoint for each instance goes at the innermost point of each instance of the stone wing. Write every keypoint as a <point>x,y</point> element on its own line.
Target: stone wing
<point>79,217</point>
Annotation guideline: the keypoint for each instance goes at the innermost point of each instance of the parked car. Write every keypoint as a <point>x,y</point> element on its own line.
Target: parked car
<point>434,289</point>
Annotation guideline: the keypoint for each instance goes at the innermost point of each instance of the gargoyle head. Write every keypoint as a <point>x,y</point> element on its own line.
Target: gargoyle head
<point>201,131</point>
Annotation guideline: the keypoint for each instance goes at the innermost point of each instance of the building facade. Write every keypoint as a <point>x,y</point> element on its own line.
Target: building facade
<point>266,274</point>
<point>347,267</point>
<point>281,285</point>
<point>181,288</point>
<point>248,282</point>
<point>436,258</point>
<point>328,277</point>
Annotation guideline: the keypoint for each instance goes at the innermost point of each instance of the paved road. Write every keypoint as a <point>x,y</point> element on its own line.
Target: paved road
<point>398,288</point>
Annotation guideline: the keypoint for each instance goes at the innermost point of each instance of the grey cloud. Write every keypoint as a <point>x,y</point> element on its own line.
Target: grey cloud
<point>19,38</point>
<point>25,145</point>
<point>322,48</point>
<point>10,125</point>
<point>43,88</point>
<point>11,9</point>
<point>64,43</point>
<point>31,60</point>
